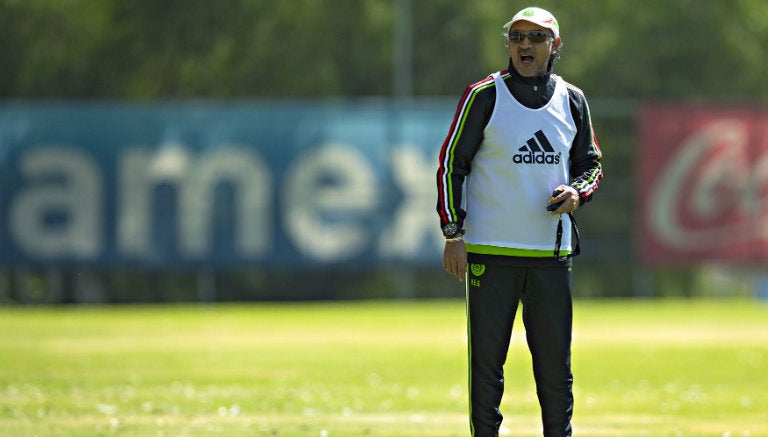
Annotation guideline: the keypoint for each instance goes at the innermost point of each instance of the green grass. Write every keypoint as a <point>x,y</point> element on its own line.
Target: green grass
<point>394,369</point>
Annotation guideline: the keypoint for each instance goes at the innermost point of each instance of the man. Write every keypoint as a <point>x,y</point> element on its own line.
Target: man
<point>522,139</point>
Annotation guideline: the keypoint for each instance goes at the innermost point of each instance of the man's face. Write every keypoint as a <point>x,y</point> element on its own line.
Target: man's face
<point>530,59</point>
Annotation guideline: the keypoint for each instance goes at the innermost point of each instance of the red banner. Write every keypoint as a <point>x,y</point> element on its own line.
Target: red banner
<point>703,184</point>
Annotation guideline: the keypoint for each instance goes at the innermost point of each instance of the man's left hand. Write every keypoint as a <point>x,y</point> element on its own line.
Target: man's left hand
<point>570,198</point>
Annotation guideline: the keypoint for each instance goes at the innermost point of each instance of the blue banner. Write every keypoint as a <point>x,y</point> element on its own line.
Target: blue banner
<point>200,183</point>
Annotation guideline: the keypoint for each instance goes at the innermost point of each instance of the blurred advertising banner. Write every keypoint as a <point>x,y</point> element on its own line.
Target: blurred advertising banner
<point>703,184</point>
<point>186,184</point>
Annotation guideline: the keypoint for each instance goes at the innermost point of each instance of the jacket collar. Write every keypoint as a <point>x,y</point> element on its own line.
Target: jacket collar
<point>532,81</point>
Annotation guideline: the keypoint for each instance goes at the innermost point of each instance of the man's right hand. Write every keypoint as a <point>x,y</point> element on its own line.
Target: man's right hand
<point>455,259</point>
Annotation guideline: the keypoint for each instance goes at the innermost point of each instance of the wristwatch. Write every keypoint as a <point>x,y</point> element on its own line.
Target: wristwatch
<point>452,230</point>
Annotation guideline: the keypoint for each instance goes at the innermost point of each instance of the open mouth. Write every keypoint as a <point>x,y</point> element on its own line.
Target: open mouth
<point>526,59</point>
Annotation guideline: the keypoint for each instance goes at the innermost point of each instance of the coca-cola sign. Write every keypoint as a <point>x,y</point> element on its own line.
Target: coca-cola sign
<point>703,186</point>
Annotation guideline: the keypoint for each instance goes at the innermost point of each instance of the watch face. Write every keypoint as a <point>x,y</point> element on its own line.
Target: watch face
<point>450,229</point>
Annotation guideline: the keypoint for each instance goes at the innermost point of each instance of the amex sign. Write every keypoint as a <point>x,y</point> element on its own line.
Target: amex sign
<point>176,184</point>
<point>703,184</point>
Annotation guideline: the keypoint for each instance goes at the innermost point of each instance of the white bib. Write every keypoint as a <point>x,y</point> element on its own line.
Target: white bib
<point>523,157</point>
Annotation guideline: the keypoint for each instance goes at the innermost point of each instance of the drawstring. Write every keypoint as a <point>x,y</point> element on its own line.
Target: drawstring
<point>559,238</point>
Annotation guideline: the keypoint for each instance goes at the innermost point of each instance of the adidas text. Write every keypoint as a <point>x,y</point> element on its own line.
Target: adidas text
<point>536,158</point>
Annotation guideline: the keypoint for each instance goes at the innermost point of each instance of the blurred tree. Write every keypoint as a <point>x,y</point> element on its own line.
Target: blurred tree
<point>49,48</point>
<point>661,49</point>
<point>447,40</point>
<point>146,49</point>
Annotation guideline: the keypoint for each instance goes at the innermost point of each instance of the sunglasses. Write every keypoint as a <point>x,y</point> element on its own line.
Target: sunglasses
<point>534,36</point>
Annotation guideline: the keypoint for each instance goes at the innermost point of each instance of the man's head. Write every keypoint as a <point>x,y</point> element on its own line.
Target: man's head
<point>534,41</point>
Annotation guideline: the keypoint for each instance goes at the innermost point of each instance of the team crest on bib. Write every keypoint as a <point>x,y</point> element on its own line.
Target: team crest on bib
<point>477,269</point>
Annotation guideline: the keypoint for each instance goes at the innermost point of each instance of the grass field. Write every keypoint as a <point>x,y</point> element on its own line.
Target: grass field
<point>394,369</point>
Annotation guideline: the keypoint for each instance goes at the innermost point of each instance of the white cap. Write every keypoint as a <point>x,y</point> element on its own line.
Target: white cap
<point>536,16</point>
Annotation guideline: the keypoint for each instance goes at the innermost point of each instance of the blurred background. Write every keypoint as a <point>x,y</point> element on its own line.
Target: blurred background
<point>250,150</point>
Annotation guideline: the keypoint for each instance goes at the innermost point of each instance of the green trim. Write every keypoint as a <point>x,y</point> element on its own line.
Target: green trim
<point>469,358</point>
<point>482,249</point>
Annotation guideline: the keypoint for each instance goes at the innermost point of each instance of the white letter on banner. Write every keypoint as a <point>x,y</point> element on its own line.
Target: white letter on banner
<point>68,185</point>
<point>140,171</point>
<point>196,181</point>
<point>326,191</point>
<point>416,217</point>
<point>251,180</point>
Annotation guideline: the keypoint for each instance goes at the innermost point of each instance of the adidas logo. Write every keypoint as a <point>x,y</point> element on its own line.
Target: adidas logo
<point>537,150</point>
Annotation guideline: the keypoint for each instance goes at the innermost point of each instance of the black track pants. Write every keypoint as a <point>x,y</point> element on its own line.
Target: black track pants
<point>493,295</point>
